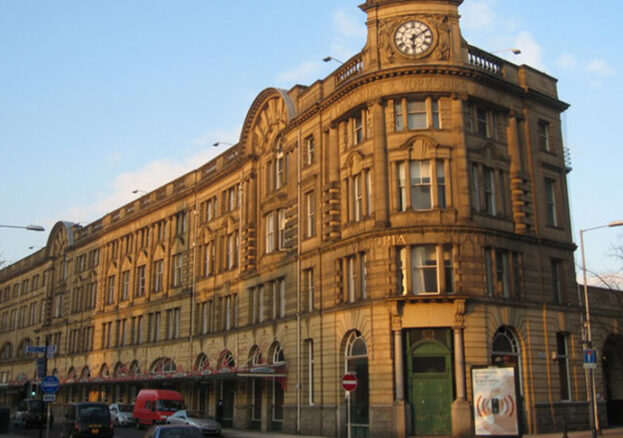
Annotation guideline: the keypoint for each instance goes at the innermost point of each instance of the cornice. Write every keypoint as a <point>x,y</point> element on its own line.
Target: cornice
<point>429,69</point>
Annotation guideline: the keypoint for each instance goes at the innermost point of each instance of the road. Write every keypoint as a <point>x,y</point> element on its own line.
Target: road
<point>55,431</point>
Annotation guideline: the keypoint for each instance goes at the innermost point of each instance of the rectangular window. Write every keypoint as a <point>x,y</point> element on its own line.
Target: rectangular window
<point>482,125</point>
<point>556,280</point>
<point>543,132</point>
<point>550,202</point>
<point>158,268</point>
<point>420,185</point>
<point>209,259</point>
<point>357,129</point>
<point>176,280</point>
<point>310,214</point>
<point>503,270</point>
<point>489,190</point>
<point>416,114</point>
<point>399,123</point>
<point>281,231</point>
<point>280,170</point>
<point>110,290</point>
<point>424,269</point>
<point>140,281</point>
<point>436,118</point>
<point>308,278</point>
<point>562,357</point>
<point>270,232</point>
<point>309,352</point>
<point>310,150</point>
<point>125,285</point>
<point>441,184</point>
<point>402,186</point>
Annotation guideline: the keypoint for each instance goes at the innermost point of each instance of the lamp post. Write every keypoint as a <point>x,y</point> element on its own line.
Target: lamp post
<point>331,58</point>
<point>589,337</point>
<point>27,227</point>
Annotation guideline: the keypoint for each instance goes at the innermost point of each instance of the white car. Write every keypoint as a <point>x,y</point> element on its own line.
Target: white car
<point>206,423</point>
<point>121,415</point>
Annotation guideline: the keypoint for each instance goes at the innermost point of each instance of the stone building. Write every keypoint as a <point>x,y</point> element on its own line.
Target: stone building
<point>405,219</point>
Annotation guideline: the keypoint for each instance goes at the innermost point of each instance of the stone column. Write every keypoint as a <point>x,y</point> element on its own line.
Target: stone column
<point>381,182</point>
<point>461,413</point>
<point>400,417</point>
<point>333,154</point>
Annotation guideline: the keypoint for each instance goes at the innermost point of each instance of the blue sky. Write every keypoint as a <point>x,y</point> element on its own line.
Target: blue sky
<point>102,97</point>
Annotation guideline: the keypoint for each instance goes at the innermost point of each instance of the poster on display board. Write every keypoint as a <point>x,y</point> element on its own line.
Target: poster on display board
<point>495,401</point>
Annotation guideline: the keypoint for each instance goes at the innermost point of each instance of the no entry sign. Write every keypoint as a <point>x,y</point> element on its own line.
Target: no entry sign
<point>349,382</point>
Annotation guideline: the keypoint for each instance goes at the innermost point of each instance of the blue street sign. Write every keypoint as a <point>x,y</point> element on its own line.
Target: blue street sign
<point>590,358</point>
<point>40,367</point>
<point>35,349</point>
<point>49,384</point>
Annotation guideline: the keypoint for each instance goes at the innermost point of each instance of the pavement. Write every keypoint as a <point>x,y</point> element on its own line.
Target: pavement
<point>615,432</point>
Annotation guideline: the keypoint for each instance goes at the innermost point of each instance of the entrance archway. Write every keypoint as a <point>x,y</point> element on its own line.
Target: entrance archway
<point>612,363</point>
<point>356,362</point>
<point>429,380</point>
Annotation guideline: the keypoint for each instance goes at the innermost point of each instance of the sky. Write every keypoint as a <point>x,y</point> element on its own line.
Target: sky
<point>103,97</point>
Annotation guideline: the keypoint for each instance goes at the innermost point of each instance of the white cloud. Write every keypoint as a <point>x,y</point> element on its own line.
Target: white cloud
<point>600,67</point>
<point>347,24</point>
<point>147,178</point>
<point>219,135</point>
<point>531,51</point>
<point>478,15</point>
<point>305,72</point>
<point>567,62</point>
<point>348,37</point>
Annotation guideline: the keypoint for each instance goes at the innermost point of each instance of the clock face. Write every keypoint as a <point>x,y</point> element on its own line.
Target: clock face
<point>413,37</point>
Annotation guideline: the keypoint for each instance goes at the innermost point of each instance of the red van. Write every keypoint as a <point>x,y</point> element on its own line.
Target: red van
<point>153,406</point>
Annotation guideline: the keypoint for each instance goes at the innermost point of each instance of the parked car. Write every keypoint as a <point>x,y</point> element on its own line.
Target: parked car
<point>154,406</point>
<point>206,423</point>
<point>121,415</point>
<point>88,419</point>
<point>30,412</point>
<point>173,431</point>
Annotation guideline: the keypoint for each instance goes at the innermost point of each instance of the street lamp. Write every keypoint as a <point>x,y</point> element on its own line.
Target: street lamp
<point>589,336</point>
<point>515,51</point>
<point>27,227</point>
<point>331,58</point>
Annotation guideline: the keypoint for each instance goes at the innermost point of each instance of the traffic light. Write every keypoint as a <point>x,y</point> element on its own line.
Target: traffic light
<point>33,389</point>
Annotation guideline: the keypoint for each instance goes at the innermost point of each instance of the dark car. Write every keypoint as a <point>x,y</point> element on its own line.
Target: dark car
<point>30,412</point>
<point>173,431</point>
<point>88,419</point>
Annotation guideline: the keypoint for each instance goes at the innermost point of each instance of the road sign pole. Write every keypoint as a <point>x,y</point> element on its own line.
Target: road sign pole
<point>45,355</point>
<point>47,421</point>
<point>348,425</point>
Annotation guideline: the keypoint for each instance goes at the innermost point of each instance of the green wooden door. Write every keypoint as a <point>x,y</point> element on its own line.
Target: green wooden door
<point>430,388</point>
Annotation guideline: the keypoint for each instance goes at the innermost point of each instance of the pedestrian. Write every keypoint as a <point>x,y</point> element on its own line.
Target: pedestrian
<point>219,410</point>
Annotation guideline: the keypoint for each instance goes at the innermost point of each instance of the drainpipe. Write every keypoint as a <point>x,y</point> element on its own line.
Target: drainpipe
<point>298,287</point>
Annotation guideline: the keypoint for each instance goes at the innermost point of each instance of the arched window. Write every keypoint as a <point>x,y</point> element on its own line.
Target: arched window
<point>163,365</point>
<point>505,350</point>
<point>7,351</point>
<point>356,362</point>
<point>277,356</point>
<point>104,371</point>
<point>226,360</point>
<point>71,375</point>
<point>135,369</point>
<point>85,374</point>
<point>120,370</point>
<point>21,350</point>
<point>202,364</point>
<point>255,356</point>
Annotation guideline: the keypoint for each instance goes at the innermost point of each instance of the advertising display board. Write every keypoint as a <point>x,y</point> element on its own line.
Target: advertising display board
<point>495,401</point>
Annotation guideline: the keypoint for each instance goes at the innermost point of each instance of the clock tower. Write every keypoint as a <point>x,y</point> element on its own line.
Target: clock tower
<point>412,32</point>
